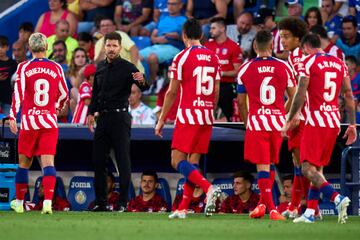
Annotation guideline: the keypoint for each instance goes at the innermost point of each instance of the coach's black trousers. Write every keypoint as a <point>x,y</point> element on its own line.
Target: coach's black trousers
<point>226,97</point>
<point>112,131</point>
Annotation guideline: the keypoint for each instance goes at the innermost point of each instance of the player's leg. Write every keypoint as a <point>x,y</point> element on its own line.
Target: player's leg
<point>48,181</point>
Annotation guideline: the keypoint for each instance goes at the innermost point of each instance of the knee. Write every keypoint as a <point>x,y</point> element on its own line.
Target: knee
<point>306,170</point>
<point>152,58</point>
<point>174,164</point>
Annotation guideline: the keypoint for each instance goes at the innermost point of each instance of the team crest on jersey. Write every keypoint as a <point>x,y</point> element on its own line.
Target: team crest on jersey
<point>224,51</point>
<point>80,197</point>
<point>86,89</point>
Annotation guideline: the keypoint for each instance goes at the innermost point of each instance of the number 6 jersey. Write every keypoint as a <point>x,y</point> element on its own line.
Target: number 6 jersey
<point>197,68</point>
<point>265,80</point>
<point>40,89</point>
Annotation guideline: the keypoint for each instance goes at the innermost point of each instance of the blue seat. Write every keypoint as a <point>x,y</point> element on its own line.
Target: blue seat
<point>225,184</point>
<point>163,190</point>
<point>180,186</point>
<point>81,193</point>
<point>141,42</point>
<point>131,193</point>
<point>59,190</point>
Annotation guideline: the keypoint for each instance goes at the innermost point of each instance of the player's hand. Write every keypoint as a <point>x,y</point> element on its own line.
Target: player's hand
<point>90,122</point>
<point>350,134</point>
<point>158,128</point>
<point>13,127</point>
<point>138,76</point>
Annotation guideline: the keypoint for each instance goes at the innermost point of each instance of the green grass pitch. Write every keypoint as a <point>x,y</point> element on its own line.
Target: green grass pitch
<point>119,226</point>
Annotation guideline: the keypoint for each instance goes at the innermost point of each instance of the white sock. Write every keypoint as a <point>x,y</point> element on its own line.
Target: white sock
<point>309,212</point>
<point>19,202</point>
<point>337,199</point>
<point>47,202</point>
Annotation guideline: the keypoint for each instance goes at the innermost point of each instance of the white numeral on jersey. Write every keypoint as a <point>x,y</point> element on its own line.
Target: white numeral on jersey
<point>329,85</point>
<point>267,92</point>
<point>41,96</point>
<point>202,77</point>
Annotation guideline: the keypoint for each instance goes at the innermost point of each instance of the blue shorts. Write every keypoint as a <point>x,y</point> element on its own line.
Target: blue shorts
<point>164,52</point>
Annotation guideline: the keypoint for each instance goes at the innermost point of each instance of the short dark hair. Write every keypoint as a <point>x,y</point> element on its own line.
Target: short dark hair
<point>85,36</point>
<point>192,29</point>
<point>150,173</point>
<point>351,19</point>
<point>295,25</point>
<point>262,39</point>
<point>320,30</point>
<point>4,41</point>
<point>288,177</point>
<point>219,20</point>
<point>64,4</point>
<point>113,36</point>
<point>111,176</point>
<point>245,175</point>
<point>312,40</point>
<point>317,12</point>
<point>57,42</point>
<point>27,27</point>
<point>351,58</point>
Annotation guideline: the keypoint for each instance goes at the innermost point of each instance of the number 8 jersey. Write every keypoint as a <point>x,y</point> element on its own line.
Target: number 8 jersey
<point>265,80</point>
<point>40,89</point>
<point>197,68</point>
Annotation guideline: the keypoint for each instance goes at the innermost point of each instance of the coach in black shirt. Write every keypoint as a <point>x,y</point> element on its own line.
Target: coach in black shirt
<point>112,87</point>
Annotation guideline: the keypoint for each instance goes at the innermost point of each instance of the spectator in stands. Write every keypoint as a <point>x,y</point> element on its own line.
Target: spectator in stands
<point>58,203</point>
<point>197,201</point>
<point>332,20</point>
<point>352,65</point>
<point>86,42</point>
<point>25,30</point>
<point>148,200</point>
<point>93,9</point>
<point>244,199</point>
<point>83,98</point>
<point>326,43</point>
<point>140,113</point>
<point>285,198</point>
<point>128,51</point>
<point>7,69</point>
<point>58,10</point>
<point>62,33</point>
<point>295,7</point>
<point>313,17</point>
<point>349,41</point>
<point>131,15</point>
<point>74,7</point>
<point>166,39</point>
<point>354,9</point>
<point>19,51</point>
<point>205,10</point>
<point>230,57</point>
<point>243,33</point>
<point>240,5</point>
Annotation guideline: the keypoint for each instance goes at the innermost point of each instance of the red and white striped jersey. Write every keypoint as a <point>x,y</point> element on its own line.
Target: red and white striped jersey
<point>294,60</point>
<point>40,88</point>
<point>325,73</point>
<point>81,110</point>
<point>265,80</point>
<point>335,51</point>
<point>197,68</point>
<point>278,47</point>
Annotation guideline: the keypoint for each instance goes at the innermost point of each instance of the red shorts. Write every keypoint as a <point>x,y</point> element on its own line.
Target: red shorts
<point>191,138</point>
<point>262,147</point>
<point>317,145</point>
<point>295,136</point>
<point>38,142</point>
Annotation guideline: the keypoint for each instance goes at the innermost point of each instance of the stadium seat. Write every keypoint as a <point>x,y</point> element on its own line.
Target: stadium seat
<point>163,190</point>
<point>180,186</point>
<point>141,42</point>
<point>225,184</point>
<point>131,194</point>
<point>81,193</point>
<point>59,190</point>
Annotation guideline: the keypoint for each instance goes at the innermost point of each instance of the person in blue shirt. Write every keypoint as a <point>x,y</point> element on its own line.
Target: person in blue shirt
<point>354,9</point>
<point>332,20</point>
<point>349,40</point>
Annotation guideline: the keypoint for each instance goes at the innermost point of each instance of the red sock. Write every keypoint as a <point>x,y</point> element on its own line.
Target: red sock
<point>296,193</point>
<point>21,189</point>
<point>198,179</point>
<point>305,186</point>
<point>312,204</point>
<point>49,185</point>
<point>265,192</point>
<point>187,194</point>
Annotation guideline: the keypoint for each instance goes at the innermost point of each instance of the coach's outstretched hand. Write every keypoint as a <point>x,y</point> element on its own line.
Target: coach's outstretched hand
<point>350,134</point>
<point>13,127</point>
<point>90,122</point>
<point>138,76</point>
<point>158,128</point>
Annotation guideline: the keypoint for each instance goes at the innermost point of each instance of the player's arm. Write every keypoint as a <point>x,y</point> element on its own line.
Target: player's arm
<point>241,101</point>
<point>231,73</point>
<point>17,99</point>
<point>217,92</point>
<point>63,90</point>
<point>350,133</point>
<point>290,92</point>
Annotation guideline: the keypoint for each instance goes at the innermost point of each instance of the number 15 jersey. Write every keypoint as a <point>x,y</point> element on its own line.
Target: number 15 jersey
<point>40,88</point>
<point>265,80</point>
<point>197,68</point>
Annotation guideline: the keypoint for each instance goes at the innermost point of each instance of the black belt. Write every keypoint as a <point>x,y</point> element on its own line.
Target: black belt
<point>124,109</point>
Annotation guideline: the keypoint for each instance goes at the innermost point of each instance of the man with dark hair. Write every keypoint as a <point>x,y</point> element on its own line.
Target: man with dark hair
<point>349,41</point>
<point>87,43</point>
<point>331,18</point>
<point>291,32</point>
<point>59,54</point>
<point>244,199</point>
<point>196,71</point>
<point>112,86</point>
<point>25,30</point>
<point>230,56</point>
<point>148,200</point>
<point>326,43</point>
<point>352,65</point>
<point>264,81</point>
<point>321,78</point>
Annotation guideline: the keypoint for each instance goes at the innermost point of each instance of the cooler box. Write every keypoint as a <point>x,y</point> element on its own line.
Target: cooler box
<point>7,185</point>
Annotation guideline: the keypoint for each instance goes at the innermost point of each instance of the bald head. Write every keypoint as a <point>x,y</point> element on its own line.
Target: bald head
<point>19,51</point>
<point>62,29</point>
<point>244,22</point>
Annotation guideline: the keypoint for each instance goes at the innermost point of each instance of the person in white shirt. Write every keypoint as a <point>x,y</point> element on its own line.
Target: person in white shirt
<point>140,113</point>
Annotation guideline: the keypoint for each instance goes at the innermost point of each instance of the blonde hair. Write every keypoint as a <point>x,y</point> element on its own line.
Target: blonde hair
<point>38,42</point>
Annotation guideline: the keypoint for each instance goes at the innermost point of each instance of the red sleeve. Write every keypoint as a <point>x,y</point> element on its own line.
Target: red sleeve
<point>236,54</point>
<point>63,90</point>
<point>17,96</point>
<point>85,91</point>
<point>132,205</point>
<point>225,206</point>
<point>61,204</point>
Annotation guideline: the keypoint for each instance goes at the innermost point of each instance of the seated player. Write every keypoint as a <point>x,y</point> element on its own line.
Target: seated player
<point>197,201</point>
<point>244,199</point>
<point>148,200</point>
<point>285,198</point>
